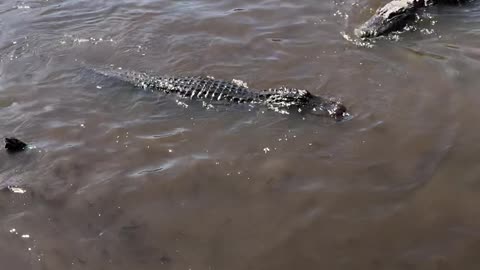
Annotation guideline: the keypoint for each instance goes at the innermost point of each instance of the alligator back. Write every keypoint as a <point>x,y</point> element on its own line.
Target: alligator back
<point>282,99</point>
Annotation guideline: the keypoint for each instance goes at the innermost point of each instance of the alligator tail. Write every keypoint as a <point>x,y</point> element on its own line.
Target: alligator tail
<point>139,79</point>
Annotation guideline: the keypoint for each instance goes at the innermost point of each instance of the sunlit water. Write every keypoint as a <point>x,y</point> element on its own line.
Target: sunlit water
<point>122,178</point>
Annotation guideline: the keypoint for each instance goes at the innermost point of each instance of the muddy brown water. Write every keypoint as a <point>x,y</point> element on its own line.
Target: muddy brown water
<point>127,179</point>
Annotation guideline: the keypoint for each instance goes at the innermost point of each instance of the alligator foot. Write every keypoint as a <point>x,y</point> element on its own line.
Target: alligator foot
<point>14,145</point>
<point>394,16</point>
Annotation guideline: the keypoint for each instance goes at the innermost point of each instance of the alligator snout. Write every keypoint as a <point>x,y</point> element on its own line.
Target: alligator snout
<point>371,28</point>
<point>338,111</point>
<point>392,17</point>
<point>379,26</point>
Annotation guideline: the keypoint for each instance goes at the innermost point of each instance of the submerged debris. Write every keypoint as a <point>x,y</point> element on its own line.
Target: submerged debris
<point>15,189</point>
<point>14,145</point>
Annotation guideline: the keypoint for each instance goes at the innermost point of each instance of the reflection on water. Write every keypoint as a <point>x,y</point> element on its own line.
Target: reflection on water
<point>127,179</point>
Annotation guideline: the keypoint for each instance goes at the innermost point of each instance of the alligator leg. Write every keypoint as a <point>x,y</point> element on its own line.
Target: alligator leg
<point>393,16</point>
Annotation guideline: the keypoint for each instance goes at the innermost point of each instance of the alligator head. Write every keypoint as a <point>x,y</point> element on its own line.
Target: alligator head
<point>394,16</point>
<point>338,111</point>
<point>334,109</point>
<point>283,98</point>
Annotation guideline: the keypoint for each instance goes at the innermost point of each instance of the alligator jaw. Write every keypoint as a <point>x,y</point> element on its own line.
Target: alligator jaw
<point>334,109</point>
<point>338,111</point>
<point>394,16</point>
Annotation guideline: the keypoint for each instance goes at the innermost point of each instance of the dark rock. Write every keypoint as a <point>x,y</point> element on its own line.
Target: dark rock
<point>14,145</point>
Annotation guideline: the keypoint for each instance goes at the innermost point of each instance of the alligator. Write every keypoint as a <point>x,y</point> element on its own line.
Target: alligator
<point>395,15</point>
<point>283,100</point>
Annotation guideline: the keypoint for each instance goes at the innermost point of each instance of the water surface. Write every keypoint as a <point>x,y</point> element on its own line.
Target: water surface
<point>127,179</point>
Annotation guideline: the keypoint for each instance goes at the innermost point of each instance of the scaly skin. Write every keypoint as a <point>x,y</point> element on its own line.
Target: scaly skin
<point>395,16</point>
<point>284,100</point>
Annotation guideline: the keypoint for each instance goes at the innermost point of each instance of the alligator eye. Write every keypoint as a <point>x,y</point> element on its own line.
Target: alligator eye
<point>337,111</point>
<point>395,13</point>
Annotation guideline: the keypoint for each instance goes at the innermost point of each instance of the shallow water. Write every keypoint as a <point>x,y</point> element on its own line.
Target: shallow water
<point>128,179</point>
